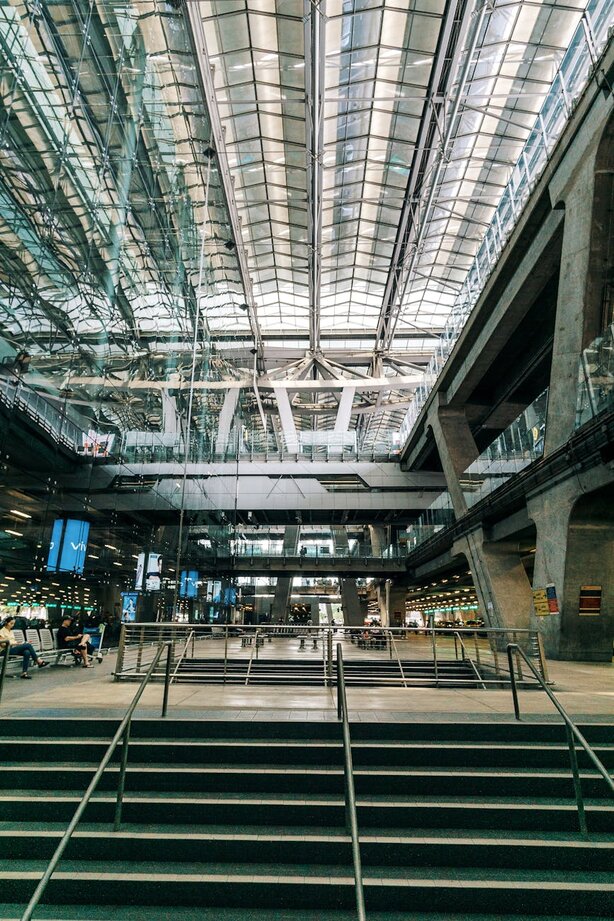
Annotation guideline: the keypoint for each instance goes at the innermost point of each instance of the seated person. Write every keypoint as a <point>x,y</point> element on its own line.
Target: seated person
<point>70,638</point>
<point>27,650</point>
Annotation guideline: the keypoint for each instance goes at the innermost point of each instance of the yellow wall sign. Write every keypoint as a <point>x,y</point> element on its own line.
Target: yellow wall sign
<point>540,602</point>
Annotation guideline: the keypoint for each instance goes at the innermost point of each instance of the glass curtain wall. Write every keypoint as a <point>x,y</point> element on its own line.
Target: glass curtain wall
<point>116,249</point>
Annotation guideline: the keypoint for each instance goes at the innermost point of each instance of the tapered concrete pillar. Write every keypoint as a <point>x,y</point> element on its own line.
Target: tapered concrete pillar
<point>283,588</point>
<point>457,450</point>
<point>377,535</point>
<point>353,615</point>
<point>500,579</point>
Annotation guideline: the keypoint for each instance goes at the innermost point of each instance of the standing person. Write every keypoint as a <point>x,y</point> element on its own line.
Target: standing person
<point>27,650</point>
<point>70,638</point>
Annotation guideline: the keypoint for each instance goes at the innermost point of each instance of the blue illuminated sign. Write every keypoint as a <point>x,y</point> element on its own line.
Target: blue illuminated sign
<point>68,545</point>
<point>188,587</point>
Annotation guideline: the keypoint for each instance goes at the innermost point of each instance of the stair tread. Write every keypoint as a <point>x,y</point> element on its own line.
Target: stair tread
<point>323,799</point>
<point>313,874</point>
<point>275,832</point>
<point>297,769</point>
<point>13,912</point>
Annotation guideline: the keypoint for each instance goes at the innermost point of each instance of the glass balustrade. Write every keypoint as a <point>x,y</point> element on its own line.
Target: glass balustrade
<point>584,49</point>
<point>515,448</point>
<point>436,517</point>
<point>596,378</point>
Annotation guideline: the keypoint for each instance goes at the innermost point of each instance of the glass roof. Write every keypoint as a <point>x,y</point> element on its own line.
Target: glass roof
<point>200,191</point>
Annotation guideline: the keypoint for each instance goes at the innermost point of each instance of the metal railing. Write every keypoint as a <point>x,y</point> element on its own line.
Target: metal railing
<point>466,658</point>
<point>393,648</point>
<point>5,652</point>
<point>191,636</point>
<point>351,818</point>
<point>228,655</point>
<point>572,730</point>
<point>122,735</point>
<point>251,658</point>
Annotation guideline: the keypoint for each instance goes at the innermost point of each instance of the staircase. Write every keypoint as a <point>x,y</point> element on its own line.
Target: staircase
<point>244,820</point>
<point>306,672</point>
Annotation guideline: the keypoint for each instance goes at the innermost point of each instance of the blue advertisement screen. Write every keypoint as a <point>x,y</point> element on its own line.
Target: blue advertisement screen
<point>54,545</point>
<point>129,601</point>
<point>68,545</point>
<point>230,595</point>
<point>188,588</point>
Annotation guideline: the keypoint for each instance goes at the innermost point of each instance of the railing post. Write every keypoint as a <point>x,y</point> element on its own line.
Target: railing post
<point>477,649</point>
<point>5,658</point>
<point>577,785</point>
<point>225,652</point>
<point>139,656</point>
<point>167,678</point>
<point>329,655</point>
<point>510,659</point>
<point>435,664</point>
<point>119,665</point>
<point>542,657</point>
<point>122,778</point>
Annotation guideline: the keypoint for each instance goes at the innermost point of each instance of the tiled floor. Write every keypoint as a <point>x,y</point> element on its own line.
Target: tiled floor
<point>585,689</point>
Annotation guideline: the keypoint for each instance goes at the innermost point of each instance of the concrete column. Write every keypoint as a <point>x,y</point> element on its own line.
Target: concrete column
<point>353,615</point>
<point>396,596</point>
<point>457,450</point>
<point>577,316</point>
<point>575,547</point>
<point>378,539</point>
<point>283,589</point>
<point>501,582</point>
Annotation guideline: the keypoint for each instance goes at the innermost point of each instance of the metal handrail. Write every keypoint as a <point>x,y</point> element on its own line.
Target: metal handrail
<point>123,732</point>
<point>5,652</point>
<point>251,658</point>
<point>350,794</point>
<point>468,659</point>
<point>191,636</point>
<point>393,645</point>
<point>572,733</point>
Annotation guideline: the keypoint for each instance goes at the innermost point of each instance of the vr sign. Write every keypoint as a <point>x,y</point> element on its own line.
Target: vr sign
<point>68,545</point>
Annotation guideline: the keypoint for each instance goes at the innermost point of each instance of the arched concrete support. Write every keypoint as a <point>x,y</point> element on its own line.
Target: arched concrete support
<point>500,579</point>
<point>456,448</point>
<point>575,547</point>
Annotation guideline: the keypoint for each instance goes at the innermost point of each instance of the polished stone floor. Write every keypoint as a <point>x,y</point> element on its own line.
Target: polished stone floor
<point>586,689</point>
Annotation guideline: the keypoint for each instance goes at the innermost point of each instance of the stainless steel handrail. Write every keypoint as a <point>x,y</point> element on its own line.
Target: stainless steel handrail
<point>191,636</point>
<point>572,732</point>
<point>123,732</point>
<point>251,658</point>
<point>393,645</point>
<point>350,795</point>
<point>468,659</point>
<point>5,651</point>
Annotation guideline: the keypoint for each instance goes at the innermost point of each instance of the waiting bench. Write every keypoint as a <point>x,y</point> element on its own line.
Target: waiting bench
<point>45,641</point>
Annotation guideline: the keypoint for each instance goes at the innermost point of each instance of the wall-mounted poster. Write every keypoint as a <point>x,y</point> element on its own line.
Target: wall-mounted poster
<point>590,601</point>
<point>540,602</point>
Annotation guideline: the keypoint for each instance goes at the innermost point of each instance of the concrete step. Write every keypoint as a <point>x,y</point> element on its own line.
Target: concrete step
<point>481,732</point>
<point>268,886</point>
<point>324,810</point>
<point>378,754</point>
<point>525,783</point>
<point>258,846</point>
